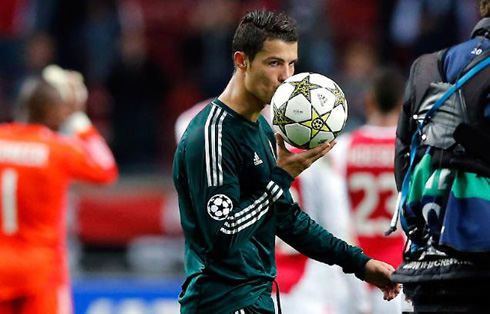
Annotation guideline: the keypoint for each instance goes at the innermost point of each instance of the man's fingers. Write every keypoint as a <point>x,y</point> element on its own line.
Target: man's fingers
<point>390,268</point>
<point>280,142</point>
<point>325,150</point>
<point>391,291</point>
<point>329,148</point>
<point>322,153</point>
<point>316,152</point>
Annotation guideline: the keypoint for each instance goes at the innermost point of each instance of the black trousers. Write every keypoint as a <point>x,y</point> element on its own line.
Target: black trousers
<point>450,296</point>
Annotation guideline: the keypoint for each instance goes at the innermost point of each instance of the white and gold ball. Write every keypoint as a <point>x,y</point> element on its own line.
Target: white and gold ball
<point>308,109</point>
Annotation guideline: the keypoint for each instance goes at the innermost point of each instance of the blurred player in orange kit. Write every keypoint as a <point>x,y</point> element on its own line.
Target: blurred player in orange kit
<point>365,158</point>
<point>36,167</point>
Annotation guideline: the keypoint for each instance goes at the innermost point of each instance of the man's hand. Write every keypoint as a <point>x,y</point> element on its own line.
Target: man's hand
<point>378,273</point>
<point>294,164</point>
<point>79,93</point>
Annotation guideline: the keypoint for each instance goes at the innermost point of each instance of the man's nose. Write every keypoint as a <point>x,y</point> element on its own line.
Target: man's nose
<point>286,72</point>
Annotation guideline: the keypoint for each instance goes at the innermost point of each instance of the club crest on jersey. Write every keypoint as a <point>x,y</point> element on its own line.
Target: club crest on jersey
<point>257,160</point>
<point>219,206</point>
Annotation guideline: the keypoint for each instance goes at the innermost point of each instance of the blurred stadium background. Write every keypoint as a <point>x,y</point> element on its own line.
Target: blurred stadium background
<point>145,62</point>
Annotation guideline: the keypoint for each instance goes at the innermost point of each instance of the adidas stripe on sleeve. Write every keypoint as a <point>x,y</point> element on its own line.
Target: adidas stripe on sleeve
<point>252,213</point>
<point>213,133</point>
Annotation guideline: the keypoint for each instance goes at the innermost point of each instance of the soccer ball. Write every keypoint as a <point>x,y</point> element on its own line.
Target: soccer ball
<point>219,206</point>
<point>308,109</point>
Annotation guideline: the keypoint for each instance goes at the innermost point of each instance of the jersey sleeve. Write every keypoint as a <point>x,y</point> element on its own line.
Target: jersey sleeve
<point>297,229</point>
<point>88,158</point>
<point>228,219</point>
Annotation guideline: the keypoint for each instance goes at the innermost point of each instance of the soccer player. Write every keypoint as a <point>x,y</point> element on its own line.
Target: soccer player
<point>36,167</point>
<point>233,185</point>
<point>365,158</point>
<point>307,285</point>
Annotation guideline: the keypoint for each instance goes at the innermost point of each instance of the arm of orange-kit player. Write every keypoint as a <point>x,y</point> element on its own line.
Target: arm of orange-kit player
<point>89,157</point>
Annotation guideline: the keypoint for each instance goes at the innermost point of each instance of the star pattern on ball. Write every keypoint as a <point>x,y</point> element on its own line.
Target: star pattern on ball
<point>317,122</point>
<point>339,95</point>
<point>280,118</point>
<point>303,87</point>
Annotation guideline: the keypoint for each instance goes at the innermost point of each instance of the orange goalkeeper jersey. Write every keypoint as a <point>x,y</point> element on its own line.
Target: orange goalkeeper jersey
<point>36,166</point>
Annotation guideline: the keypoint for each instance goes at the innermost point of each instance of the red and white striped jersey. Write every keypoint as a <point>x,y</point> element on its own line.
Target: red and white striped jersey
<point>365,158</point>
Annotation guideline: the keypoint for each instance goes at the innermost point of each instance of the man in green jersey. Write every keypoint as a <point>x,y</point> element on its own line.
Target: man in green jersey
<point>233,186</point>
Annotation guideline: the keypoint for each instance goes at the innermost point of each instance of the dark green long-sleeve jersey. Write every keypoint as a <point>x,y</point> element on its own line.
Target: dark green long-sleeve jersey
<point>233,201</point>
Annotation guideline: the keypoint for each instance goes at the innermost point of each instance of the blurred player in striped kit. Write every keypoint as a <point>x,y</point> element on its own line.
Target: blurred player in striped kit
<point>307,285</point>
<point>365,158</point>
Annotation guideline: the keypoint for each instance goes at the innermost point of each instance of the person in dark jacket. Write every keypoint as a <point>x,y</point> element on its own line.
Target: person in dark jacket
<point>442,168</point>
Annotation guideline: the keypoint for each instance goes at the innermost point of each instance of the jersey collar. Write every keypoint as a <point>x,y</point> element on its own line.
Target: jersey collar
<point>234,114</point>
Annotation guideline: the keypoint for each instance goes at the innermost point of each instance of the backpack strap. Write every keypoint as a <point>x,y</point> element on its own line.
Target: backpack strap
<point>476,91</point>
<point>428,69</point>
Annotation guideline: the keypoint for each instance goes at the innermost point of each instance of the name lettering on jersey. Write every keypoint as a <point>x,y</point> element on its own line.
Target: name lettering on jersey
<point>25,154</point>
<point>372,156</point>
<point>257,160</point>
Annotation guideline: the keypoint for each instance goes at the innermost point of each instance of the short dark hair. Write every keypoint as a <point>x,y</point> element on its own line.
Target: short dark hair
<point>484,8</point>
<point>388,85</point>
<point>258,26</point>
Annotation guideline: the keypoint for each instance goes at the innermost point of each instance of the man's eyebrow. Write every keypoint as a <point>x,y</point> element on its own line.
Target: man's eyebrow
<point>275,59</point>
<point>280,59</point>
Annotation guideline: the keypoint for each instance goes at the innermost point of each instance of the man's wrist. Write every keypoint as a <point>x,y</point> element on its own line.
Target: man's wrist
<point>76,123</point>
<point>282,178</point>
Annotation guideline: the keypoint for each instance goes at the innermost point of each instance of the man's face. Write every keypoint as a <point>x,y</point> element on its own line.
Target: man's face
<point>271,66</point>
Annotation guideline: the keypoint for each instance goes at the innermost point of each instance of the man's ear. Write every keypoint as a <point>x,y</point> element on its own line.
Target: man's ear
<point>241,60</point>
<point>369,103</point>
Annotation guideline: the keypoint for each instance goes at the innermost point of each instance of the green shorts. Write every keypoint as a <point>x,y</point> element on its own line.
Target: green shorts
<point>263,305</point>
